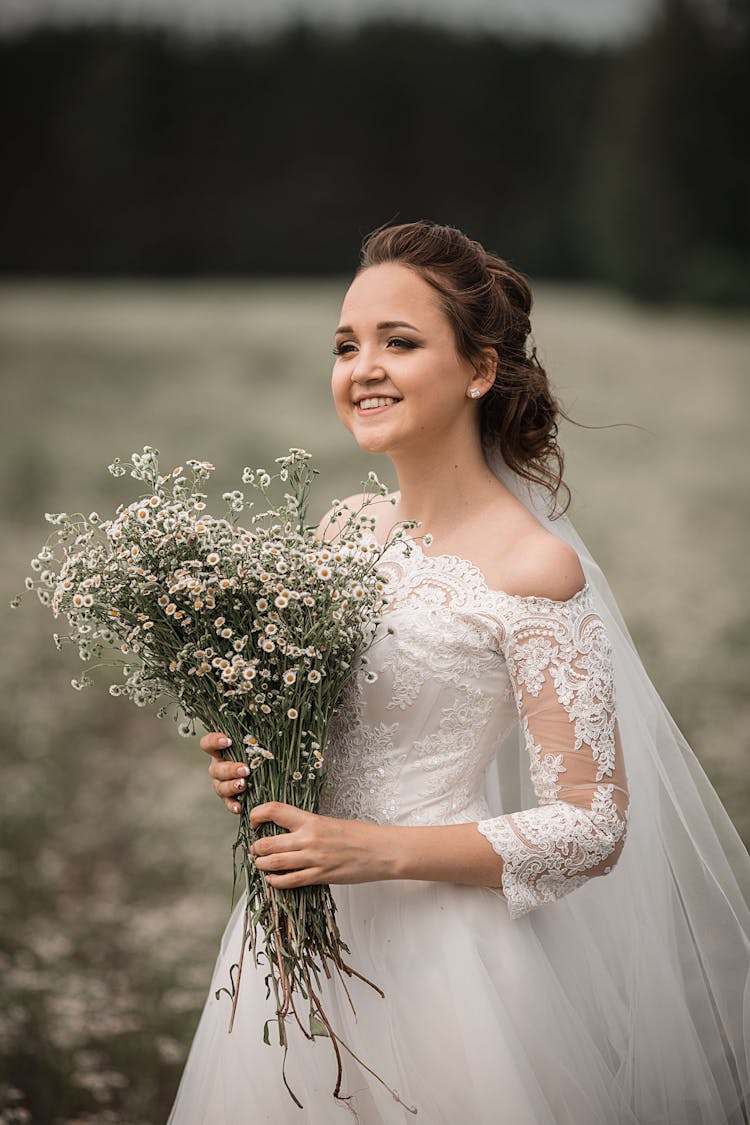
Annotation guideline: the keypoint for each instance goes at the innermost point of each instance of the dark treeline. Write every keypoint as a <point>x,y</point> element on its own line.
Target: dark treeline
<point>130,152</point>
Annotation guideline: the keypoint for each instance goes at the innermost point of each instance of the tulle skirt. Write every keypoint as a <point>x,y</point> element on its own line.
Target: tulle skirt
<point>476,1026</point>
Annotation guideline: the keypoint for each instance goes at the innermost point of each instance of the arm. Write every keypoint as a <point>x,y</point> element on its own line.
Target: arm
<point>442,853</point>
<point>559,661</point>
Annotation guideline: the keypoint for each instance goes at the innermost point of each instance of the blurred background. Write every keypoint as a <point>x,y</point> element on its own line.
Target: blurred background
<point>186,186</point>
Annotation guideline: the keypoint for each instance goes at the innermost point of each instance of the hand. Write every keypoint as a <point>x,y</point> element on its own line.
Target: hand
<point>228,777</point>
<point>319,849</point>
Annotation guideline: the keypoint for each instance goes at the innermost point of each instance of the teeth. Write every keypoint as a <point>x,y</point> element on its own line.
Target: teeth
<point>371,403</point>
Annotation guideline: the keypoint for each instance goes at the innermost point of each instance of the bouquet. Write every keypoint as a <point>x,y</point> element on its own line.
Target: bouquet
<point>251,630</point>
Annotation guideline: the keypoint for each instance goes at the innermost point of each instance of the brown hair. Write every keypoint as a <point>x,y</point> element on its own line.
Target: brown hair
<point>488,302</point>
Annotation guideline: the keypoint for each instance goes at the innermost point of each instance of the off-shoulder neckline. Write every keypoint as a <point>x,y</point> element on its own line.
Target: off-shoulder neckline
<point>472,568</point>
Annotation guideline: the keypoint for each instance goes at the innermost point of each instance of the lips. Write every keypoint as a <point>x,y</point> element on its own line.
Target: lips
<point>376,402</point>
<point>362,411</point>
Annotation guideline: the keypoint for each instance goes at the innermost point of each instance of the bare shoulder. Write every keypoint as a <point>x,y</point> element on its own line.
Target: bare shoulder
<point>547,567</point>
<point>334,519</point>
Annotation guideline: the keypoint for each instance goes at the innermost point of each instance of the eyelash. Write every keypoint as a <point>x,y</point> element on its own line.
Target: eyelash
<point>394,339</point>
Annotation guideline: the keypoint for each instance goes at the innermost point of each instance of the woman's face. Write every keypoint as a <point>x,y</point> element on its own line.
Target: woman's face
<point>395,343</point>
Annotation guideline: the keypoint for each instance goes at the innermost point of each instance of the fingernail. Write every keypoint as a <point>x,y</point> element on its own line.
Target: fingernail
<point>236,808</point>
<point>239,784</point>
<point>224,742</point>
<point>244,771</point>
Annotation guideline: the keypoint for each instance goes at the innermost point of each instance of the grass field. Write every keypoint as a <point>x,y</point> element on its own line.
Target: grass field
<point>114,853</point>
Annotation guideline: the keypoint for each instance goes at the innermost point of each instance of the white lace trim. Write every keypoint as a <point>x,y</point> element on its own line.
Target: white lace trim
<point>550,850</point>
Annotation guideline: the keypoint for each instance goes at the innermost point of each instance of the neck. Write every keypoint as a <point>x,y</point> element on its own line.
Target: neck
<point>442,487</point>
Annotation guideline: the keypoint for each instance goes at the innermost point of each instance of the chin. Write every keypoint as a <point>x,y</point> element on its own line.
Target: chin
<point>369,443</point>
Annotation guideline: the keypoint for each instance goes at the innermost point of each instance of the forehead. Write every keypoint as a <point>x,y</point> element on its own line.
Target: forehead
<point>390,291</point>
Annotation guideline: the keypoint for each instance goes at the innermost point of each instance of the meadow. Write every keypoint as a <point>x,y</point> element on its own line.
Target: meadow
<point>115,855</point>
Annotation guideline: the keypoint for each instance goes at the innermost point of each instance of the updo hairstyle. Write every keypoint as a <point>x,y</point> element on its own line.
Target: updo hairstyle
<point>487,302</point>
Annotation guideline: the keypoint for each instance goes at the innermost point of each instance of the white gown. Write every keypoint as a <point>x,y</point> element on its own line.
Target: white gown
<point>477,1024</point>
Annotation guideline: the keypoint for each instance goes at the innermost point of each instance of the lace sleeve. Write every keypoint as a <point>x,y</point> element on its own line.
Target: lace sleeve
<point>559,660</point>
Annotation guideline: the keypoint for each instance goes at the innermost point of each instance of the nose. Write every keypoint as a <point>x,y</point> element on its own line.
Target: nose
<point>363,369</point>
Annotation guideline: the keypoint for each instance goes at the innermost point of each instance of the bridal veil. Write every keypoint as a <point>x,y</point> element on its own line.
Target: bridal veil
<point>657,953</point>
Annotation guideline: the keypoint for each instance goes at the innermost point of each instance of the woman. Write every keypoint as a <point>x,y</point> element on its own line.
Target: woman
<point>584,960</point>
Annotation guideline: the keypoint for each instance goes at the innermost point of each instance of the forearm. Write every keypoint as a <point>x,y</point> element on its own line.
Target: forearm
<point>443,853</point>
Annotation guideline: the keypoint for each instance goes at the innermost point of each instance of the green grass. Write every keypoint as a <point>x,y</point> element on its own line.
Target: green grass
<point>114,852</point>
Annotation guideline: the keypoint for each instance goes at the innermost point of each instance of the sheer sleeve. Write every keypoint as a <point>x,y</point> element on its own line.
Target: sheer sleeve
<point>559,661</point>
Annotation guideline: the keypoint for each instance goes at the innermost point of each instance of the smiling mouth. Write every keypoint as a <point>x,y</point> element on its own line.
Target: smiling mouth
<point>375,404</point>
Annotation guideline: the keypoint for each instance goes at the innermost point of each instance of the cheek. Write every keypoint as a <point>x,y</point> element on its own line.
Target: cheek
<point>340,394</point>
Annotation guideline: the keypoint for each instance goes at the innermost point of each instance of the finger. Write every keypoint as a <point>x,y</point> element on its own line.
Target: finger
<point>295,878</point>
<point>234,788</point>
<point>285,842</point>
<point>286,861</point>
<point>227,771</point>
<point>215,743</point>
<point>232,805</point>
<point>286,816</point>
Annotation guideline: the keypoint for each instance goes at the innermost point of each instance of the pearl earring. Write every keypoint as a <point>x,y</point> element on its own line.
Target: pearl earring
<point>475,392</point>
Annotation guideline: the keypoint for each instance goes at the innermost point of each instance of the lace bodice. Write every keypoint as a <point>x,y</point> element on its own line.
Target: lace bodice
<point>463,665</point>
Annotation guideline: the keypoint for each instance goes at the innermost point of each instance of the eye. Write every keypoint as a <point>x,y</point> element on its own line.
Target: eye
<point>399,341</point>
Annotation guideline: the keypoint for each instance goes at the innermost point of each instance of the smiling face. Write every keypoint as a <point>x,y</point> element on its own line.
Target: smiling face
<point>395,343</point>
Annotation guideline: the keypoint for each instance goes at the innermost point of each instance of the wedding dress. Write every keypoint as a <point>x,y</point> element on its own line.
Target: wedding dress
<point>605,980</point>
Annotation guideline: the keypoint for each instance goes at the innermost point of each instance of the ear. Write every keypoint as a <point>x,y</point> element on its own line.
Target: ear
<point>485,366</point>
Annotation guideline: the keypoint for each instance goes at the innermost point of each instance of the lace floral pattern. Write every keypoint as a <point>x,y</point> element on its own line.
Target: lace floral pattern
<point>364,763</point>
<point>441,671</point>
<point>448,755</point>
<point>544,769</point>
<point>559,659</point>
<point>569,641</point>
<point>462,665</point>
<point>548,851</point>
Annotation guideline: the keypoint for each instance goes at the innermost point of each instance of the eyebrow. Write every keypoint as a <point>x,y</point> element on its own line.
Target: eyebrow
<point>383,324</point>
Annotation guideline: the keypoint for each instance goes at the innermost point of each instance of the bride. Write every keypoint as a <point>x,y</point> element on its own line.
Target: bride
<point>524,852</point>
